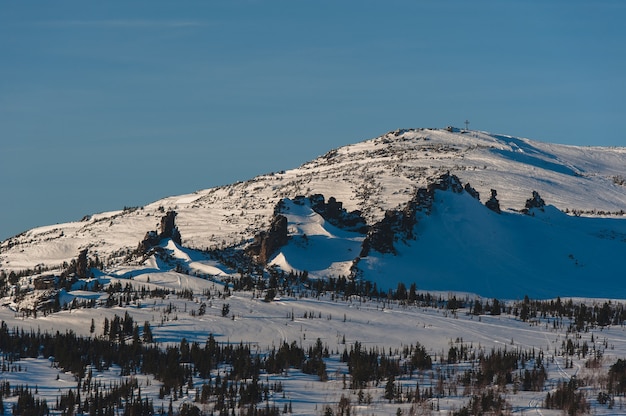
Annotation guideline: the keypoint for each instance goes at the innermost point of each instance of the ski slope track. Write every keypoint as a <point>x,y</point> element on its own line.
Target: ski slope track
<point>572,247</point>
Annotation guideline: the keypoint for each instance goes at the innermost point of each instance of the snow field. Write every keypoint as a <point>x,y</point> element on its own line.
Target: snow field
<point>380,324</point>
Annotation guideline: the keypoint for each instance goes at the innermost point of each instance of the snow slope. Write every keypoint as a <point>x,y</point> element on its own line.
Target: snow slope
<point>316,246</point>
<point>463,246</point>
<point>380,174</point>
<point>338,324</point>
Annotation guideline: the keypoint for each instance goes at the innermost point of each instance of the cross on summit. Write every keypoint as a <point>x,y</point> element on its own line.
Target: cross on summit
<point>467,124</point>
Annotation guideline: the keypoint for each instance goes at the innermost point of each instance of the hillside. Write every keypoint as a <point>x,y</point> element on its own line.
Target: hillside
<point>383,174</point>
<point>385,277</point>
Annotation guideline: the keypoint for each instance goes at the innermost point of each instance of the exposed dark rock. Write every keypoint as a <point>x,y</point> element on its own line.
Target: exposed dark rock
<point>493,203</point>
<point>445,182</point>
<point>267,242</point>
<point>535,202</point>
<point>168,230</point>
<point>333,212</point>
<point>176,237</point>
<point>473,192</point>
<point>45,282</point>
<point>150,240</point>
<point>81,264</point>
<point>422,201</point>
<point>167,223</point>
<point>400,224</point>
<point>77,267</point>
<point>381,235</point>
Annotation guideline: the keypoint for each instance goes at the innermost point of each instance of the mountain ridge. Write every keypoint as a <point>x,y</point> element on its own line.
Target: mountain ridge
<point>335,288</point>
<point>372,177</point>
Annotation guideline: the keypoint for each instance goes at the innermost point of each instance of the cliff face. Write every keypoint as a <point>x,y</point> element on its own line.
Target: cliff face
<point>168,229</point>
<point>372,178</point>
<point>267,242</point>
<point>334,212</point>
<point>535,202</point>
<point>399,224</point>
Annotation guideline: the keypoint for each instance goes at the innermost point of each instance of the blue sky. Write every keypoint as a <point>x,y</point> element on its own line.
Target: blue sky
<point>112,104</point>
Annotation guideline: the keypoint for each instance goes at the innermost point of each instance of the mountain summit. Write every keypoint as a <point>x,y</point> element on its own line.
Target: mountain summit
<point>445,209</point>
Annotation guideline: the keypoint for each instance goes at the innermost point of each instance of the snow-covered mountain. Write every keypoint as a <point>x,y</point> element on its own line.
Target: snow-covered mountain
<point>385,277</point>
<point>451,241</point>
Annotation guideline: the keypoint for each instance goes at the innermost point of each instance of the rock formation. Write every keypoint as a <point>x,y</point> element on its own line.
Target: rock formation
<point>267,242</point>
<point>168,230</point>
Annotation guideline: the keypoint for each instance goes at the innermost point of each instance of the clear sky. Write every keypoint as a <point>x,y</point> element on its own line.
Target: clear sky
<point>120,103</point>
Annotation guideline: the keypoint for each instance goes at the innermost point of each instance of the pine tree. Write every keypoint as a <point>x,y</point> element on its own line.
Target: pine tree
<point>390,388</point>
<point>496,309</point>
<point>478,307</point>
<point>147,333</point>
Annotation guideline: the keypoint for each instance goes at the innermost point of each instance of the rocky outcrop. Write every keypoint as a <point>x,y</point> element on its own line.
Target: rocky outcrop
<point>78,267</point>
<point>82,264</point>
<point>400,224</point>
<point>334,212</point>
<point>473,192</point>
<point>151,239</point>
<point>168,226</point>
<point>493,203</point>
<point>381,235</point>
<point>168,229</point>
<point>267,242</point>
<point>446,182</point>
<point>536,202</point>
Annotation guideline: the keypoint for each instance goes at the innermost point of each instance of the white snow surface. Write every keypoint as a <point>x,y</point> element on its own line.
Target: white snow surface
<point>316,246</point>
<point>461,249</point>
<point>382,324</point>
<point>461,246</point>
